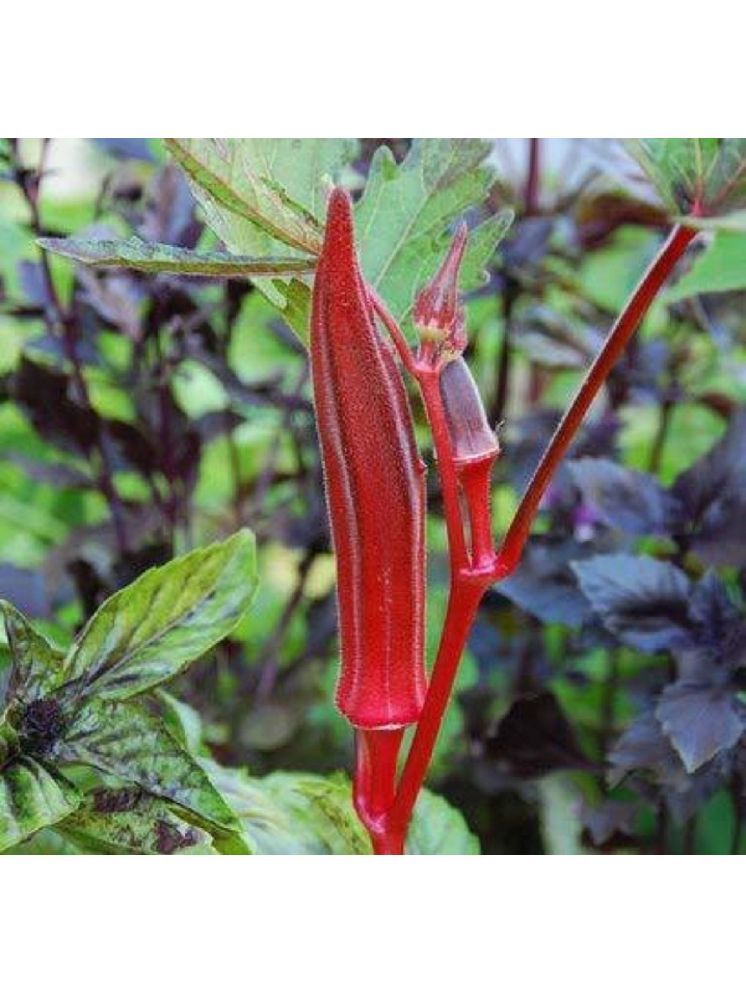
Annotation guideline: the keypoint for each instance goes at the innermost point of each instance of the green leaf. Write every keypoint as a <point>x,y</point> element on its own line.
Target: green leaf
<point>708,172</point>
<point>265,196</point>
<point>37,667</point>
<point>292,813</point>
<point>150,257</point>
<point>258,190</point>
<point>128,821</point>
<point>288,813</point>
<point>10,744</point>
<point>438,828</point>
<point>31,797</point>
<point>126,740</point>
<point>403,217</point>
<point>182,721</point>
<point>148,631</point>
<point>721,267</point>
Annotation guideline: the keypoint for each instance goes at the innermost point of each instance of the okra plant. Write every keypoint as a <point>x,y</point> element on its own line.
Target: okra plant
<point>373,285</point>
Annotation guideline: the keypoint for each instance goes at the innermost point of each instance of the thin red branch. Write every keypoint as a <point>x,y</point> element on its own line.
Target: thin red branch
<point>618,337</point>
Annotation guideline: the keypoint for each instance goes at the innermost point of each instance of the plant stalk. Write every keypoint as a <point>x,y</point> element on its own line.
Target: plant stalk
<point>619,335</point>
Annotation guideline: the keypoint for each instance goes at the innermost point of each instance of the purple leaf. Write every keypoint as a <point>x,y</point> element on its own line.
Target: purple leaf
<point>544,584</point>
<point>712,494</point>
<point>700,722</point>
<point>535,738</point>
<point>627,500</point>
<point>641,600</point>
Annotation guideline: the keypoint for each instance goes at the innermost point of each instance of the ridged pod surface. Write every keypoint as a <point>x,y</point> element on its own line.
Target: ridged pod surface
<point>375,491</point>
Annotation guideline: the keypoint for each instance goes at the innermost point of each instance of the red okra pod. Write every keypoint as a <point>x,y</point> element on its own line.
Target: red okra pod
<point>375,491</point>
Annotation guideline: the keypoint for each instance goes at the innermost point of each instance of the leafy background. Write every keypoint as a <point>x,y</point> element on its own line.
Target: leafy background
<point>148,411</point>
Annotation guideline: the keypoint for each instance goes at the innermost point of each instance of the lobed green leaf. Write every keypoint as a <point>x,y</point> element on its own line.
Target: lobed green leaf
<point>706,173</point>
<point>403,217</point>
<point>266,197</point>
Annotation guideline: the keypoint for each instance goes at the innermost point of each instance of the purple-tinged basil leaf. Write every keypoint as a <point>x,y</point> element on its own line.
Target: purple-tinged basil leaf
<point>33,285</point>
<point>26,589</point>
<point>126,740</point>
<point>47,398</point>
<point>169,211</point>
<point>720,640</point>
<point>700,721</point>
<point>608,819</point>
<point>57,474</point>
<point>553,341</point>
<point>643,746</point>
<point>130,821</point>
<point>534,738</point>
<point>627,500</point>
<point>641,600</point>
<point>712,494</point>
<point>544,584</point>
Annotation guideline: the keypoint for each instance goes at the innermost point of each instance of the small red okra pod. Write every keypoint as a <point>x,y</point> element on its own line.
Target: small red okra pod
<point>472,437</point>
<point>475,449</point>
<point>375,491</point>
<point>438,312</point>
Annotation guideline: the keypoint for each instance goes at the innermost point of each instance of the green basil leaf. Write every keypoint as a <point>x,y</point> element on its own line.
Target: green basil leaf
<point>148,631</point>
<point>10,745</point>
<point>128,821</point>
<point>31,797</point>
<point>126,740</point>
<point>37,667</point>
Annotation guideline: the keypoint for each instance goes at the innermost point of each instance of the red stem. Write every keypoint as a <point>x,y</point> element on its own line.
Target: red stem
<point>475,478</point>
<point>429,381</point>
<point>618,337</point>
<point>463,602</point>
<point>377,754</point>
